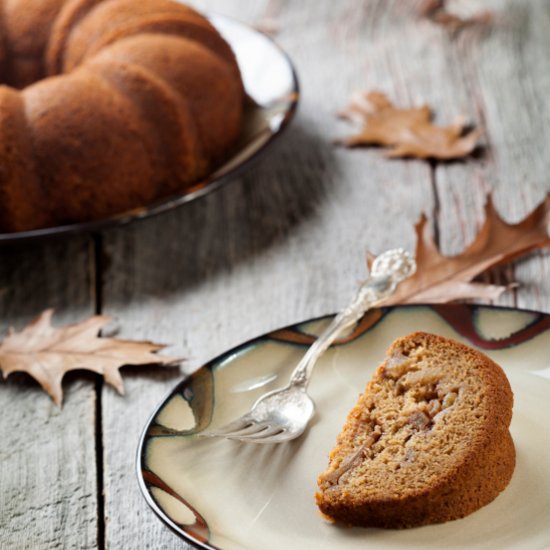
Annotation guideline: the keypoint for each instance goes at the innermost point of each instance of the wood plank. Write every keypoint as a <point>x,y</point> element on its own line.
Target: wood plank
<point>47,454</point>
<point>284,243</point>
<point>498,79</point>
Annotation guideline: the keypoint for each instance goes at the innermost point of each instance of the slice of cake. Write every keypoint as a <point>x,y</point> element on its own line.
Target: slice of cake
<point>427,442</point>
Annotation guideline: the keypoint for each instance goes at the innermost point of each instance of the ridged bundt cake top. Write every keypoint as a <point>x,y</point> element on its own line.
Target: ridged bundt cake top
<point>120,102</point>
<point>17,202</point>
<point>26,27</point>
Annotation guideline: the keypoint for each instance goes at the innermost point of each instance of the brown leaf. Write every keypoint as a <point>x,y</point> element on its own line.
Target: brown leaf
<point>440,279</point>
<point>47,353</point>
<point>428,7</point>
<point>436,11</point>
<point>409,132</point>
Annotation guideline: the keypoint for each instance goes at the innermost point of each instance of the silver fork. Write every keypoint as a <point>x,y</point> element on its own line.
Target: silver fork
<point>284,414</point>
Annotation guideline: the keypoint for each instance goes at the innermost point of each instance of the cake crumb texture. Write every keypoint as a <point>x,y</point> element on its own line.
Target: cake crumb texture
<point>427,442</point>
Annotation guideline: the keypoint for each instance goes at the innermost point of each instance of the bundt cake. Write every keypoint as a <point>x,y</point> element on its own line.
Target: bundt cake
<point>107,105</point>
<point>427,442</point>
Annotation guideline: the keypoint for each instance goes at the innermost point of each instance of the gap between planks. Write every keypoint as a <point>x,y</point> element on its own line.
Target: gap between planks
<point>96,269</point>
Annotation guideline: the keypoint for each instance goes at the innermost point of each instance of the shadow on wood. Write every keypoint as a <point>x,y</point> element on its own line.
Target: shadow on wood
<point>240,221</point>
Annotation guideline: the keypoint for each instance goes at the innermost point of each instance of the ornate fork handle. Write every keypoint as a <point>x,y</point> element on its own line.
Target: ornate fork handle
<point>388,270</point>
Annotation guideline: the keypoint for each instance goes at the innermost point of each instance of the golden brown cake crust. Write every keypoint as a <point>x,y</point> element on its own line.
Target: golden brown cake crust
<point>20,187</point>
<point>178,155</point>
<point>202,80</point>
<point>78,144</point>
<point>427,442</point>
<point>142,100</point>
<point>26,26</point>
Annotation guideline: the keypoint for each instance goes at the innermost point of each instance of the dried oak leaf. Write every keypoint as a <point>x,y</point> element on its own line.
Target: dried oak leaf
<point>440,279</point>
<point>409,132</point>
<point>47,353</point>
<point>436,11</point>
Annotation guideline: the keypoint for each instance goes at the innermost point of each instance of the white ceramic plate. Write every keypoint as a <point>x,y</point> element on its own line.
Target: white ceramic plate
<point>230,495</point>
<point>271,85</point>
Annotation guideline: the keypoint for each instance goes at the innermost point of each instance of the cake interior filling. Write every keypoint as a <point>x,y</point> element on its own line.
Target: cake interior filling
<point>412,407</point>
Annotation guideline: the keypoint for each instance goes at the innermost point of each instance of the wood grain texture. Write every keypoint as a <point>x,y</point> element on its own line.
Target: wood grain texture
<point>497,77</point>
<point>47,455</point>
<point>286,242</point>
<point>283,243</point>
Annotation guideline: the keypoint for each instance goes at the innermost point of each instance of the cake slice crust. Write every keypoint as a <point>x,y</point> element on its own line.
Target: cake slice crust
<point>427,442</point>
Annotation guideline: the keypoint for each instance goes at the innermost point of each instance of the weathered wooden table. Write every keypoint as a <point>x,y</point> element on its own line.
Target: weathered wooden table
<point>284,243</point>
